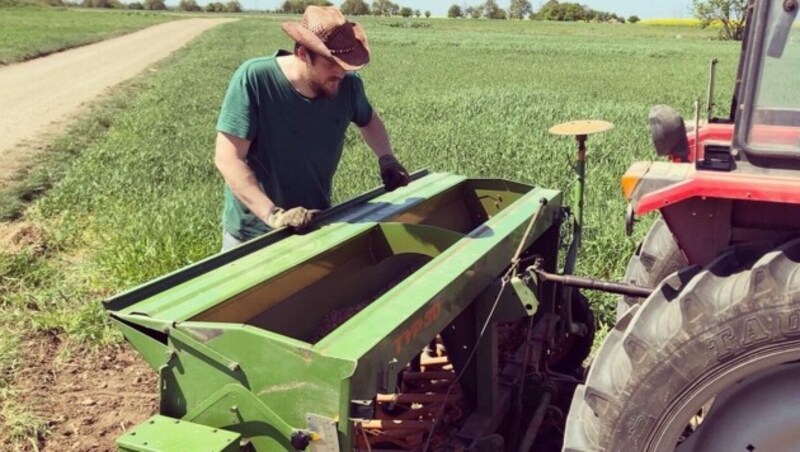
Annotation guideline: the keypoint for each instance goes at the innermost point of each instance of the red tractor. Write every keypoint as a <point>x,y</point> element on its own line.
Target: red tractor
<point>710,361</point>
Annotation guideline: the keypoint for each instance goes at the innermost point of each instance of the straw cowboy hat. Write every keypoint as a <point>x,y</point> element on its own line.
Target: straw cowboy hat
<point>325,31</point>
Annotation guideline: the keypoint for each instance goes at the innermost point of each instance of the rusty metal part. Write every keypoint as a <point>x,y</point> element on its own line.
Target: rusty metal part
<point>593,284</point>
<point>428,361</point>
<point>417,398</point>
<point>712,77</point>
<point>535,423</point>
<point>396,425</point>
<point>429,403</point>
<point>428,376</point>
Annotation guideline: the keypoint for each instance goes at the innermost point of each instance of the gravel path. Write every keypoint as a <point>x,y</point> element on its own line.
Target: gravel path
<point>38,97</point>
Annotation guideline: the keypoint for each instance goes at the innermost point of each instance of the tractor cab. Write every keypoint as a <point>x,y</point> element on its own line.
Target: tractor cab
<point>768,123</point>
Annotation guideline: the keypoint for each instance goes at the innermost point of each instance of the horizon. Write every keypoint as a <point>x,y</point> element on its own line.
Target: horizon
<point>438,8</point>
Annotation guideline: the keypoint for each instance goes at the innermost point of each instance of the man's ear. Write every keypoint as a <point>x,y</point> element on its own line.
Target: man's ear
<point>303,54</point>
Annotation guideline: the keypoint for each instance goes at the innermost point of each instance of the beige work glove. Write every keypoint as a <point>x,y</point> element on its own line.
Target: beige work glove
<point>296,217</point>
<point>393,174</point>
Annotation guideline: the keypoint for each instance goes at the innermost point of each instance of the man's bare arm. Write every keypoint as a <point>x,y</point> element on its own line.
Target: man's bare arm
<point>230,158</point>
<point>376,137</point>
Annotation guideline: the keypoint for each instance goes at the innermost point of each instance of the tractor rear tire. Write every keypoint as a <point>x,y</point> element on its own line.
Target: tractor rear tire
<point>657,257</point>
<point>689,349</point>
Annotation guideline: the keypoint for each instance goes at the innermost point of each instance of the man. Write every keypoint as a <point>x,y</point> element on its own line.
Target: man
<point>282,125</point>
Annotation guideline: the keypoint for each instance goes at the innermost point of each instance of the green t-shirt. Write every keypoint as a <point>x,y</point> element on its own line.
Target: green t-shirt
<point>296,142</point>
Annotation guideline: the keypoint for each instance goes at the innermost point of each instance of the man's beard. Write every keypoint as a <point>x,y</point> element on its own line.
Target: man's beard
<point>323,90</point>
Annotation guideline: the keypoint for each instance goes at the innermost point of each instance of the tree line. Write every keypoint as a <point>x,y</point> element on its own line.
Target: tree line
<point>519,9</point>
<point>522,9</point>
<point>232,6</point>
<point>355,8</point>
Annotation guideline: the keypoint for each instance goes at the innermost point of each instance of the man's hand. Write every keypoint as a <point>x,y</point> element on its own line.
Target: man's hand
<point>392,172</point>
<point>297,217</point>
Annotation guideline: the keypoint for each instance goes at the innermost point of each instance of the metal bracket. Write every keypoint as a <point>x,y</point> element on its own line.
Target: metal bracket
<point>189,341</point>
<point>324,436</point>
<point>362,409</point>
<point>525,294</point>
<point>388,377</point>
<point>240,406</point>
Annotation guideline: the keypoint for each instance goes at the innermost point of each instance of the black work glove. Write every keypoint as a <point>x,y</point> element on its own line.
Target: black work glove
<point>297,217</point>
<point>392,172</point>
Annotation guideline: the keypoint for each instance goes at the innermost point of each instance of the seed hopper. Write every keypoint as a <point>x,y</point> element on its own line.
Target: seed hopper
<point>399,322</point>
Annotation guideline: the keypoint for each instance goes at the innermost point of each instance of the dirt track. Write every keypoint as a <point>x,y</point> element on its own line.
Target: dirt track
<point>38,97</point>
<point>86,400</point>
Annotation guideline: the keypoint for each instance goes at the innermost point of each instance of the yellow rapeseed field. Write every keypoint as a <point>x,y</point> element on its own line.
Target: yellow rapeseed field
<point>675,22</point>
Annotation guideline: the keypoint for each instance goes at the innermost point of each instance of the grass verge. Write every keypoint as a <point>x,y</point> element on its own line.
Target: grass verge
<point>31,31</point>
<point>44,285</point>
<point>52,164</point>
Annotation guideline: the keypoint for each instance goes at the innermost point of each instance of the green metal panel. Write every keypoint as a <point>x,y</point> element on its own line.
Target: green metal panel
<point>409,238</point>
<point>434,295</point>
<point>165,434</point>
<point>273,382</point>
<point>236,408</point>
<point>186,300</point>
<point>232,354</point>
<point>135,295</point>
<point>153,350</point>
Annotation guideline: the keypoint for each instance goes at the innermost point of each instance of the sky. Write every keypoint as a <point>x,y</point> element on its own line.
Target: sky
<point>645,9</point>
